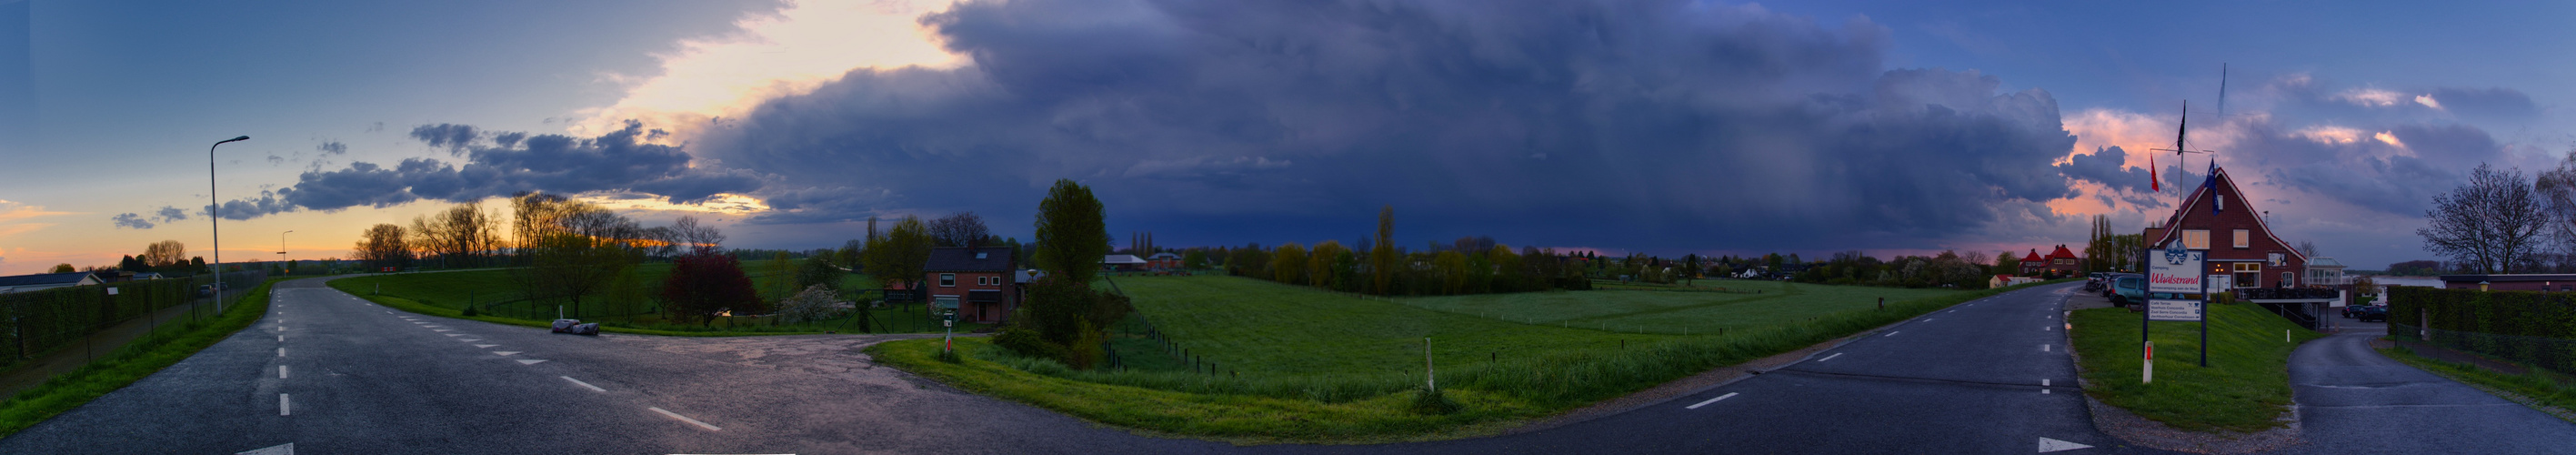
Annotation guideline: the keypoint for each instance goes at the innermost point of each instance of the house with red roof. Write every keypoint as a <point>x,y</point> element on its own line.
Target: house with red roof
<point>2241,247</point>
<point>2061,262</point>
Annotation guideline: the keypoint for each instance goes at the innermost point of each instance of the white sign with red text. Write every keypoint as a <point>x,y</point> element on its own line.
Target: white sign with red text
<point>2174,270</point>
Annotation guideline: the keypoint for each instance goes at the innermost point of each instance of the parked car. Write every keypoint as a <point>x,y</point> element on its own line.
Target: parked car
<point>2093,281</point>
<point>2129,289</point>
<point>2372,313</point>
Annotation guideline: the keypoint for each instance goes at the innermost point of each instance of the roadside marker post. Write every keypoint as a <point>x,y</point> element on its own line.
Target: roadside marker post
<point>2149,372</point>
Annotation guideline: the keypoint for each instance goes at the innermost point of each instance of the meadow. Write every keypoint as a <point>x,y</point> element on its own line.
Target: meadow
<point>1298,364</point>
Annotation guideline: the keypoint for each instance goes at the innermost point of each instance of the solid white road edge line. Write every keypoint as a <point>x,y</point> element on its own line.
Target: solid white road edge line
<point>713,427</point>
<point>593,388</point>
<point>1830,357</point>
<point>1711,400</point>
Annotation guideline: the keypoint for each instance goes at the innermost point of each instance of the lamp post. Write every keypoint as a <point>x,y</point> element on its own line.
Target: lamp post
<point>215,215</point>
<point>281,249</point>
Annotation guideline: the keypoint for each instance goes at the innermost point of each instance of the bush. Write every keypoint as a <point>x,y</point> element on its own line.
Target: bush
<point>1027,343</point>
<point>2525,326</point>
<point>815,303</point>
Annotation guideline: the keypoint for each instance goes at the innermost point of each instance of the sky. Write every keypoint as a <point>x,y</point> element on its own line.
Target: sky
<point>1664,127</point>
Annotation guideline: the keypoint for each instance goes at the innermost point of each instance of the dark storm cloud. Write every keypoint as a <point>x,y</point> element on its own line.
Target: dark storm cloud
<point>2388,178</point>
<point>1669,118</point>
<point>552,163</point>
<point>455,138</point>
<point>2107,166</point>
<point>332,148</point>
<point>2488,103</point>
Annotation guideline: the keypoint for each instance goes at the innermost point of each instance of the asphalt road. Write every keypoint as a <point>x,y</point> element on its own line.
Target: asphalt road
<point>330,373</point>
<point>1988,376</point>
<point>2353,400</point>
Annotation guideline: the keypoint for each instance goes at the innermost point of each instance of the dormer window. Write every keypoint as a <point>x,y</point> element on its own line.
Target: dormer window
<point>979,255</point>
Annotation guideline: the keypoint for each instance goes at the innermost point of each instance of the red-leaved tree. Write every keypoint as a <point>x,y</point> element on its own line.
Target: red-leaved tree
<point>704,284</point>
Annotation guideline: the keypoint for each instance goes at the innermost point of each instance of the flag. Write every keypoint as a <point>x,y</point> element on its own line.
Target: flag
<point>2211,183</point>
<point>2154,183</point>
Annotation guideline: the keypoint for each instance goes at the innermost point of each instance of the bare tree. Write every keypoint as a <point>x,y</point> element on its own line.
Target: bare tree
<point>2557,189</point>
<point>961,229</point>
<point>2493,224</point>
<point>166,253</point>
<point>384,245</point>
<point>698,239</point>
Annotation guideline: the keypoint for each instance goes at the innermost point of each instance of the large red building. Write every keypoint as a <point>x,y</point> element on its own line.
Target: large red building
<point>2241,248</point>
<point>2061,262</point>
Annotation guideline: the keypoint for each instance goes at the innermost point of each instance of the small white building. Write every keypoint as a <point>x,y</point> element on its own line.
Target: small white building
<point>1123,262</point>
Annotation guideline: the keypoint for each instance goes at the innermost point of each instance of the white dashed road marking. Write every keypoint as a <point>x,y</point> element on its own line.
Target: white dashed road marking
<point>1711,400</point>
<point>506,353</point>
<point>1830,357</point>
<point>686,419</point>
<point>485,345</point>
<point>281,372</point>
<point>281,352</point>
<point>281,404</point>
<point>592,388</point>
<point>530,362</point>
<point>1892,333</point>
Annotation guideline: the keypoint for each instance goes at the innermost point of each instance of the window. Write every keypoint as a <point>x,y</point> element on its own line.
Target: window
<point>2248,274</point>
<point>2222,201</point>
<point>948,280</point>
<point>2279,260</point>
<point>2289,279</point>
<point>2195,239</point>
<point>2244,239</point>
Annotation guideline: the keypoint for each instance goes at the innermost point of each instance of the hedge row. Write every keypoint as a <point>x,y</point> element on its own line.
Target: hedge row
<point>2534,327</point>
<point>33,322</point>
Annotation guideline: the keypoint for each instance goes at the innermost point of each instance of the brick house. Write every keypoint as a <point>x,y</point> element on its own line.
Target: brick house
<point>1163,261</point>
<point>978,282</point>
<point>2241,248</point>
<point>2033,263</point>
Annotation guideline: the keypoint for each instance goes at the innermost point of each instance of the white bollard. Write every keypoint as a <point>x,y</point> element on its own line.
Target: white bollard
<point>2149,373</point>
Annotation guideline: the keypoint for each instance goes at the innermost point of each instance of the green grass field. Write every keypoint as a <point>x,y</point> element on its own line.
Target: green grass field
<point>1297,364</point>
<point>1707,307</point>
<point>2245,387</point>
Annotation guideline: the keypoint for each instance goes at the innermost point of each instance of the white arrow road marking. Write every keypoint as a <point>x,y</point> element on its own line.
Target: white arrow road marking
<point>485,345</point>
<point>686,419</point>
<point>593,388</point>
<point>1711,400</point>
<point>529,362</point>
<point>2047,445</point>
<point>283,449</point>
<point>505,353</point>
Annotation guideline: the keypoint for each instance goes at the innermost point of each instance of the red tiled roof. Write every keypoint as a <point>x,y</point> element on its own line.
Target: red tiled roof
<point>2033,257</point>
<point>2062,253</point>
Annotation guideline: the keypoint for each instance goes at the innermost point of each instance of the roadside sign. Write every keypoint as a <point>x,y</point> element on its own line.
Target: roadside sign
<point>2173,310</point>
<point>2174,270</point>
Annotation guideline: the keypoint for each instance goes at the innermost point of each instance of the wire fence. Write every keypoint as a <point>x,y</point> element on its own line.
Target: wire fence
<point>42,320</point>
<point>2556,354</point>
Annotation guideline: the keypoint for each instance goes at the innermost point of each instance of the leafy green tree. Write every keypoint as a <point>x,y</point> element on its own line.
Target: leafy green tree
<point>899,255</point>
<point>1072,234</point>
<point>818,271</point>
<point>64,268</point>
<point>1319,265</point>
<point>1288,264</point>
<point>1195,259</point>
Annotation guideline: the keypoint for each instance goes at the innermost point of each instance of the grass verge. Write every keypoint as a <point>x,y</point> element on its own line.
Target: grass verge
<point>1274,406</point>
<point>2245,388</point>
<point>2539,388</point>
<point>133,362</point>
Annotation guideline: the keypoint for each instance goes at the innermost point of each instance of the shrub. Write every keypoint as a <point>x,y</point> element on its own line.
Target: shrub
<point>815,303</point>
<point>1027,343</point>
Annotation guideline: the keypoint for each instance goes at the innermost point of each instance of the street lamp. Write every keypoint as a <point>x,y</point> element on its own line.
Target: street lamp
<point>214,215</point>
<point>281,249</point>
